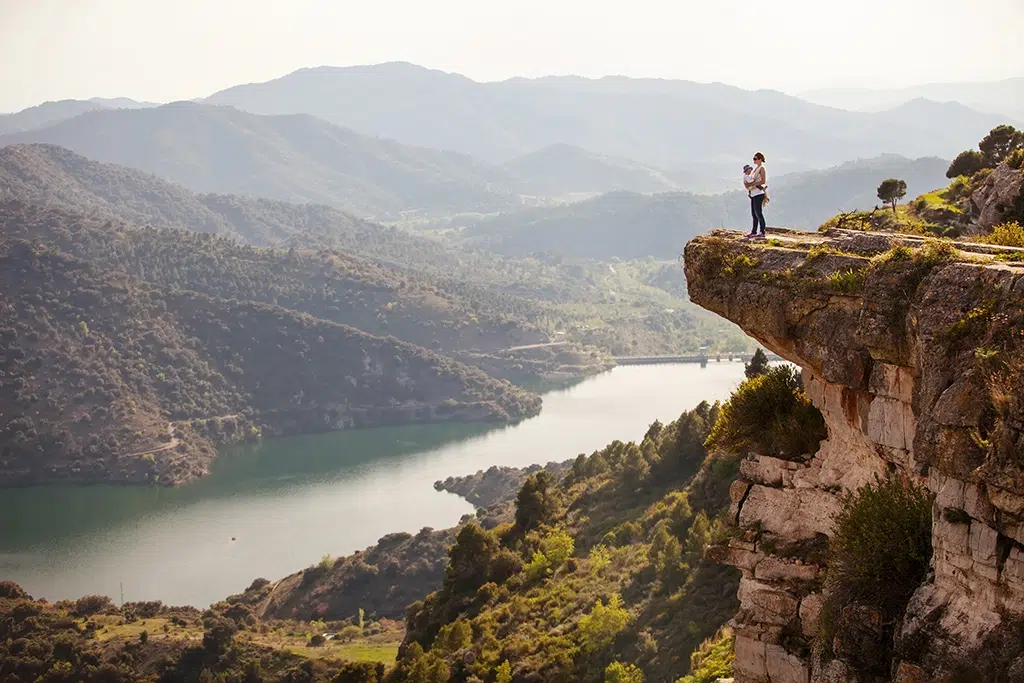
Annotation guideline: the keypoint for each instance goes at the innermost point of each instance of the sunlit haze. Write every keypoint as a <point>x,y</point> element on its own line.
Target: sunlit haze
<point>162,51</point>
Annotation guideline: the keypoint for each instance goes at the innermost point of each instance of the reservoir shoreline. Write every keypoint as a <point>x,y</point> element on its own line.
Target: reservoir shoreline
<point>273,508</point>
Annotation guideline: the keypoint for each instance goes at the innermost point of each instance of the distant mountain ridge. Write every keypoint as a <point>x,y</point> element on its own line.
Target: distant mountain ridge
<point>295,158</point>
<point>48,113</point>
<point>661,123</point>
<point>1004,97</point>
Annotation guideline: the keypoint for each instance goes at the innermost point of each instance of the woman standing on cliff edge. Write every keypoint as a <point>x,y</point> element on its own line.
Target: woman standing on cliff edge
<point>756,187</point>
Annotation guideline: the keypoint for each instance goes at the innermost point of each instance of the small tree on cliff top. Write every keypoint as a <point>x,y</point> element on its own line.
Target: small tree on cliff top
<point>1000,142</point>
<point>891,191</point>
<point>966,163</point>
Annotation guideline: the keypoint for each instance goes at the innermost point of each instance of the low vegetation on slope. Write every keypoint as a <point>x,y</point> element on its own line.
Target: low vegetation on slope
<point>109,377</point>
<point>92,641</point>
<point>601,569</point>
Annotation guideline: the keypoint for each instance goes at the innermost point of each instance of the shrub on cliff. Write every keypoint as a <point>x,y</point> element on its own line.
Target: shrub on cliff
<point>1006,235</point>
<point>967,163</point>
<point>878,556</point>
<point>769,414</point>
<point>713,659</point>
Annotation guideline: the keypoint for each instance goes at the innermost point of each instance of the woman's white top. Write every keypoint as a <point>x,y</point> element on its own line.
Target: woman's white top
<point>753,192</point>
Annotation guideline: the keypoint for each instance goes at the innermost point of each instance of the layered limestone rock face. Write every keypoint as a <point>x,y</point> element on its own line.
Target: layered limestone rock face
<point>912,361</point>
<point>998,199</point>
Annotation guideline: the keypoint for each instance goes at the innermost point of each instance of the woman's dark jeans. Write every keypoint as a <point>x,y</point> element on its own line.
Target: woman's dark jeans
<point>757,211</point>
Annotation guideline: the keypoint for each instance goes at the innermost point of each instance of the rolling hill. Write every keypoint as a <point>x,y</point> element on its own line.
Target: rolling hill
<point>108,377</point>
<point>294,158</point>
<point>418,287</point>
<point>661,123</point>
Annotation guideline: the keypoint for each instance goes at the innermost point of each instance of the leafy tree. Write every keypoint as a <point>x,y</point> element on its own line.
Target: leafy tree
<point>539,566</point>
<point>659,541</point>
<point>891,191</point>
<point>454,637</point>
<point>665,554</point>
<point>93,604</point>
<point>535,503</point>
<point>966,163</point>
<point>634,467</point>
<point>617,672</point>
<point>558,547</point>
<point>654,430</point>
<point>469,559</point>
<point>758,364</point>
<point>359,672</point>
<point>599,628</point>
<point>599,558</point>
<point>503,674</point>
<point>1000,142</point>
<point>698,536</point>
<point>218,633</point>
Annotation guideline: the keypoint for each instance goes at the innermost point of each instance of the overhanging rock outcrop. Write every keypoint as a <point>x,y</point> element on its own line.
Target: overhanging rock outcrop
<point>914,356</point>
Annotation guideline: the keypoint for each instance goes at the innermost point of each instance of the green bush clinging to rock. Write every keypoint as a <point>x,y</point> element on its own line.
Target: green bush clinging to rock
<point>770,414</point>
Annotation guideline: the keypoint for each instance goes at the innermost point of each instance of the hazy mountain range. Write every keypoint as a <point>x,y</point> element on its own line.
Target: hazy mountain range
<point>296,158</point>
<point>999,97</point>
<point>662,123</point>
<point>632,134</point>
<point>49,113</point>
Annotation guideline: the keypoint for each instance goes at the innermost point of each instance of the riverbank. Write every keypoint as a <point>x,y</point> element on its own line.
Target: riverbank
<point>286,502</point>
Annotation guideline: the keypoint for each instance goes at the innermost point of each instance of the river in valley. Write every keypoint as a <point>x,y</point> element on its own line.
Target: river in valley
<point>273,508</point>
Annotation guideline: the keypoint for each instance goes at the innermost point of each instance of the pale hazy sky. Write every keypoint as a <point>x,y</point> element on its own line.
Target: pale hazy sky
<point>162,50</point>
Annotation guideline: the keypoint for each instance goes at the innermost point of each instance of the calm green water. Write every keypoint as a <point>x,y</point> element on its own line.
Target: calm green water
<point>287,502</point>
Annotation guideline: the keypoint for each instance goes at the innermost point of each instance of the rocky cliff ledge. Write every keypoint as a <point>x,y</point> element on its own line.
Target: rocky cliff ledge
<point>913,351</point>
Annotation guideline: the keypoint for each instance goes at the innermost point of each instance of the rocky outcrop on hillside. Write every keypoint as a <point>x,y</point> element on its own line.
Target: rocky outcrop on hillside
<point>914,356</point>
<point>998,199</point>
<point>498,484</point>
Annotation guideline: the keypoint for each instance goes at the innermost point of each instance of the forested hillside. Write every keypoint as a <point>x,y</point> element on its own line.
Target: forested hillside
<point>594,573</point>
<point>330,285</point>
<point>109,377</point>
<point>603,566</point>
<point>622,312</point>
